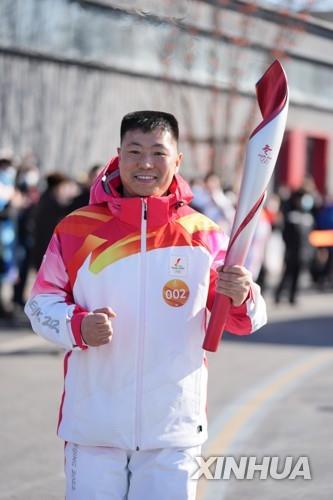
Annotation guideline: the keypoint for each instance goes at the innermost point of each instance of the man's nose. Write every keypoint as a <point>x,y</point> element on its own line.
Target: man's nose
<point>146,161</point>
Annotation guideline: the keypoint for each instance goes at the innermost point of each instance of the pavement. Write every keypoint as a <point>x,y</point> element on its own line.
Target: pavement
<point>269,395</point>
<point>14,339</point>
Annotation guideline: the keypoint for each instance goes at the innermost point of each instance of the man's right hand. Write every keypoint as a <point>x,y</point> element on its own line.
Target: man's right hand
<point>96,328</point>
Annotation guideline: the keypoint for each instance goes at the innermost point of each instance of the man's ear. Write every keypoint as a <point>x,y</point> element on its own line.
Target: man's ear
<point>178,161</point>
<point>119,151</point>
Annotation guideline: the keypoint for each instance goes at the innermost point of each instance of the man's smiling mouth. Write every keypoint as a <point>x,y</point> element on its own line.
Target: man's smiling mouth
<point>141,177</point>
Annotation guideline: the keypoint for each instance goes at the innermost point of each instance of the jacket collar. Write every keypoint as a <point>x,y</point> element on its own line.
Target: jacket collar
<point>160,209</point>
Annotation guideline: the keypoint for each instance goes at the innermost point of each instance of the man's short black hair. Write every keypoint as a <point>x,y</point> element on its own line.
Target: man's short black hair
<point>148,121</point>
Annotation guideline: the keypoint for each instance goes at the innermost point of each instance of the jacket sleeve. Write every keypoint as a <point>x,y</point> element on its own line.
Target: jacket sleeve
<point>51,308</point>
<point>249,316</point>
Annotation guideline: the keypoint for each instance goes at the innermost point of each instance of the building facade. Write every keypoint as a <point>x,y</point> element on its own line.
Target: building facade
<point>70,69</point>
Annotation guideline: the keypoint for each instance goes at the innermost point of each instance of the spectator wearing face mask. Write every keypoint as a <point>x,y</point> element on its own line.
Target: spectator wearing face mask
<point>27,181</point>
<point>298,222</point>
<point>7,225</point>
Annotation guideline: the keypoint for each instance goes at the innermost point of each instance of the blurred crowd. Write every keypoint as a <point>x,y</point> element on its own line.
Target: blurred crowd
<point>284,248</point>
<point>31,205</point>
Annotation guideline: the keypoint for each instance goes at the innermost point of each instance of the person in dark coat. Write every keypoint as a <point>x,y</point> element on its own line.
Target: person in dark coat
<point>27,181</point>
<point>54,205</point>
<point>298,222</point>
<point>82,199</point>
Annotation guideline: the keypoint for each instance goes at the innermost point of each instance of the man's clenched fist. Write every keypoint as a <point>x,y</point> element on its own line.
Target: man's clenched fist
<point>96,328</point>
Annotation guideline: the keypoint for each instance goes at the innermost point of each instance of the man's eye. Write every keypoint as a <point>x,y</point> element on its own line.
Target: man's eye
<point>159,153</point>
<point>134,152</point>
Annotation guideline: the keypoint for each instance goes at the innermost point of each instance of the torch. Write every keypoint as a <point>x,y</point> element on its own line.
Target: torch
<point>261,155</point>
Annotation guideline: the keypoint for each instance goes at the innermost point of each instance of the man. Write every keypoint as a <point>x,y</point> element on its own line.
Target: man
<point>125,287</point>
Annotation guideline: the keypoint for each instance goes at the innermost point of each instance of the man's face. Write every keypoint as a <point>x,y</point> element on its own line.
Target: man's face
<point>148,162</point>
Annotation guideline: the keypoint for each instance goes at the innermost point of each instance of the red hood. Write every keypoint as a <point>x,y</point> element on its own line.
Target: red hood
<point>105,189</point>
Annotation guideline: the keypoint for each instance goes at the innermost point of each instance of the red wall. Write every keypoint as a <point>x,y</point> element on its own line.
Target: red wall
<point>303,153</point>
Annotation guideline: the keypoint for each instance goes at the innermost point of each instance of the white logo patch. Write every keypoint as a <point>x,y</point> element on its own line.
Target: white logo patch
<point>178,265</point>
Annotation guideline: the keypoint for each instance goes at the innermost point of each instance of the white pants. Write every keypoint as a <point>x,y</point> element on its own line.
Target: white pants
<point>101,473</point>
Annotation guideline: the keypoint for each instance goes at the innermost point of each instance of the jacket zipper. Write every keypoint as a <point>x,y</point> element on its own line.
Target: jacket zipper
<point>142,324</point>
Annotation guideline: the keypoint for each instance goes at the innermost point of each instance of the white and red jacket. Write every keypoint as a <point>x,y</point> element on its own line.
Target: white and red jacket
<point>153,261</point>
